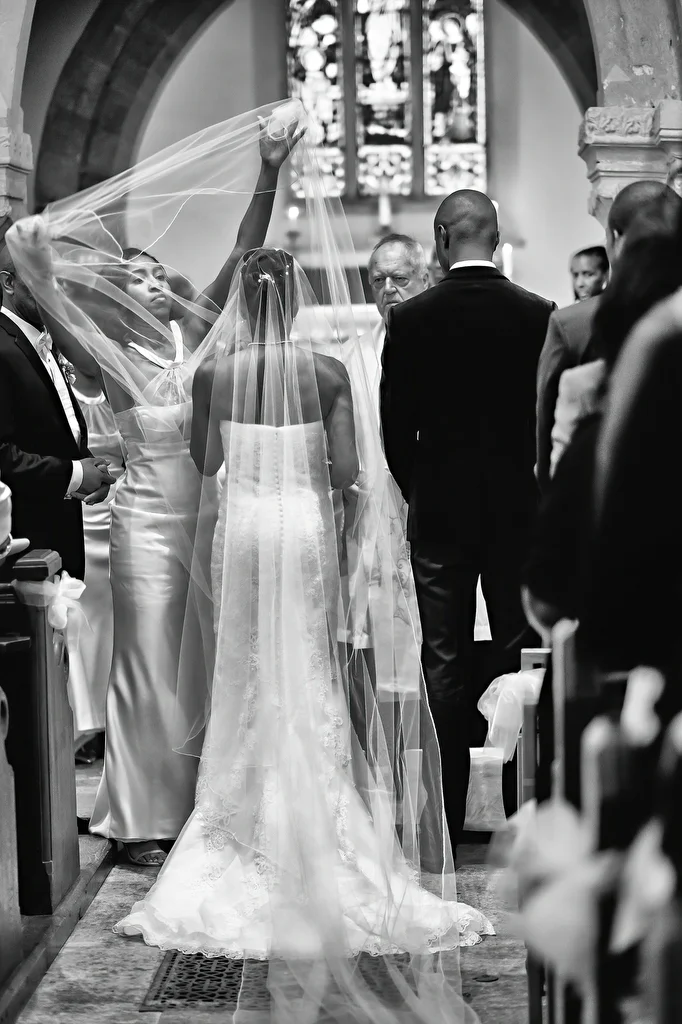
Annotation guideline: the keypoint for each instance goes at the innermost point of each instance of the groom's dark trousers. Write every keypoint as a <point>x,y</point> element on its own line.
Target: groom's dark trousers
<point>458,416</point>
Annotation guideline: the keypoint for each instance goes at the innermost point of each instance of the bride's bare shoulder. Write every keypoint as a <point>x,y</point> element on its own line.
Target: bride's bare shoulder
<point>331,371</point>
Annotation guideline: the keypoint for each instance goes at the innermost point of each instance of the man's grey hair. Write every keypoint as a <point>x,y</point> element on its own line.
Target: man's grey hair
<point>415,252</point>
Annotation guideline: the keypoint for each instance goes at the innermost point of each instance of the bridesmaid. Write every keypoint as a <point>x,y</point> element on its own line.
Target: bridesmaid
<point>90,658</point>
<point>146,792</point>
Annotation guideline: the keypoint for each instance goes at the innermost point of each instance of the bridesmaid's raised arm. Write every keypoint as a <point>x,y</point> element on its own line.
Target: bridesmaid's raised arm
<point>256,220</point>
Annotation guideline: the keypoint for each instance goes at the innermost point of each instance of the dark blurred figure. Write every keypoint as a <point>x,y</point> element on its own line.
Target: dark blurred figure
<point>558,578</point>
<point>589,271</point>
<point>633,607</point>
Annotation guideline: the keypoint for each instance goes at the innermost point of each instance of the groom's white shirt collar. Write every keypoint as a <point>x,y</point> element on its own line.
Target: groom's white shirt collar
<point>473,263</point>
<point>31,332</point>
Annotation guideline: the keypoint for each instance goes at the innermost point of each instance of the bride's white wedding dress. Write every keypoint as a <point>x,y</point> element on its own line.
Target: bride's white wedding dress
<point>280,855</point>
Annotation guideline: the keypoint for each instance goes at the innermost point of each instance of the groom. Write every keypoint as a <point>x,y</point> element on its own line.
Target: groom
<point>44,455</point>
<point>458,416</point>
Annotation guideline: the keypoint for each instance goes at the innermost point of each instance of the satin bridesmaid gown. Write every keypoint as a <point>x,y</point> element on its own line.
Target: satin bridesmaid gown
<point>147,789</point>
<point>90,654</point>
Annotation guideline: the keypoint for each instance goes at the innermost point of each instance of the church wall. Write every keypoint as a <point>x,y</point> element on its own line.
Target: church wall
<point>535,173</point>
<point>55,30</point>
<point>237,63</point>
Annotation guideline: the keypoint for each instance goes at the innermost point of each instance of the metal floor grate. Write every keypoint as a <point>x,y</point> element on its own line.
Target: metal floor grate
<point>192,981</point>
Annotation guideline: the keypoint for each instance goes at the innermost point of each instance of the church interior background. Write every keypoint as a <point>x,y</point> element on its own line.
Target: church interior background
<point>548,105</point>
<point>414,99</point>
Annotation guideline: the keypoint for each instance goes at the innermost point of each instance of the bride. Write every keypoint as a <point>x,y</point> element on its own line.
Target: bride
<point>297,845</point>
<point>317,853</point>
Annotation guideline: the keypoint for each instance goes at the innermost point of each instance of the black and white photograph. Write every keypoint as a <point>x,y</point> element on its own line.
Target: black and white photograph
<point>340,675</point>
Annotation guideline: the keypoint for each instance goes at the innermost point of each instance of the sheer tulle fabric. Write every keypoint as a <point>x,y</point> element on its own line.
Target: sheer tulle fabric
<point>318,836</point>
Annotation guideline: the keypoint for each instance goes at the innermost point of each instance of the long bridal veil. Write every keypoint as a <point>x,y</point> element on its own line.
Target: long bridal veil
<point>318,853</point>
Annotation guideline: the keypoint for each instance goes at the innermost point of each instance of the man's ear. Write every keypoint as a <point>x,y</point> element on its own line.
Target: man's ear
<point>6,282</point>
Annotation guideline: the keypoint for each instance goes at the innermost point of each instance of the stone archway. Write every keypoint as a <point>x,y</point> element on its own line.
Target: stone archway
<point>107,86</point>
<point>127,48</point>
<point>562,26</point>
<point>611,52</point>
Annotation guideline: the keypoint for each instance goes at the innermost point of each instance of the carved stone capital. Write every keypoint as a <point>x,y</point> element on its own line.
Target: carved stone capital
<point>667,130</point>
<point>611,125</point>
<point>619,145</point>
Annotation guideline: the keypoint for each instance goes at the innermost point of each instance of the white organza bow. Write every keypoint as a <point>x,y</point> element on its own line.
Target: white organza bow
<point>61,597</point>
<point>551,867</point>
<point>502,706</point>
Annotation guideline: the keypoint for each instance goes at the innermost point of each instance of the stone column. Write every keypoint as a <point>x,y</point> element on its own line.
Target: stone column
<point>636,133</point>
<point>619,146</point>
<point>667,129</point>
<point>16,160</point>
<point>625,144</point>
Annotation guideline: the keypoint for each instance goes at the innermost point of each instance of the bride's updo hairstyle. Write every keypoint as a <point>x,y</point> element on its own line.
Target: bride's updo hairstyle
<point>267,282</point>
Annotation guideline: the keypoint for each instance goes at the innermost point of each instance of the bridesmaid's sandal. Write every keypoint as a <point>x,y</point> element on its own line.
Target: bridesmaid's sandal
<point>147,854</point>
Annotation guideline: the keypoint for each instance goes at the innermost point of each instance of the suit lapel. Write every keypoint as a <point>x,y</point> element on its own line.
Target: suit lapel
<point>36,362</point>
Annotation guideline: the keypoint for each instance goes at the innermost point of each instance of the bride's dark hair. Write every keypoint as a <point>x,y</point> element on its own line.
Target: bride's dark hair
<point>267,281</point>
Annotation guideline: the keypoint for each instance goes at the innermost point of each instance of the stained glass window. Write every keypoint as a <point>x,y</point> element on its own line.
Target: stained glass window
<point>314,59</point>
<point>454,96</point>
<point>408,115</point>
<point>383,96</point>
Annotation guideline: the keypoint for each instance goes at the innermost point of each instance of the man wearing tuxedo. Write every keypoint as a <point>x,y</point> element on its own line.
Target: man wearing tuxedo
<point>570,329</point>
<point>44,457</point>
<point>458,416</point>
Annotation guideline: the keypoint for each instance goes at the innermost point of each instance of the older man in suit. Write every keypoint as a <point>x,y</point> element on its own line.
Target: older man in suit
<point>570,329</point>
<point>397,270</point>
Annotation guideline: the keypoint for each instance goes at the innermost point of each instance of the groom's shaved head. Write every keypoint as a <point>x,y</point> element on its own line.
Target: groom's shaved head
<point>466,227</point>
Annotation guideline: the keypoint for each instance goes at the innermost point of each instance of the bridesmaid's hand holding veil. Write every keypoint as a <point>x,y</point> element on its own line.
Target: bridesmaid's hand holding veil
<point>280,138</point>
<point>33,235</point>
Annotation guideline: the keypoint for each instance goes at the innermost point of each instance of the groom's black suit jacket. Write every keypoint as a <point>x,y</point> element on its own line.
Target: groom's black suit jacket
<point>458,404</point>
<point>37,451</point>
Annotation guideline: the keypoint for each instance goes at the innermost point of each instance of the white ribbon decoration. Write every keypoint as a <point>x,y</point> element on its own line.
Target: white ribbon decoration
<point>61,597</point>
<point>502,706</point>
<point>647,885</point>
<point>638,719</point>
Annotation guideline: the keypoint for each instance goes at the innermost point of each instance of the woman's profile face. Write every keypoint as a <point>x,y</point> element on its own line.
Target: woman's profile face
<point>148,285</point>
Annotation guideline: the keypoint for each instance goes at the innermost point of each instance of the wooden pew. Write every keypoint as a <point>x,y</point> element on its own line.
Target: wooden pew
<point>10,918</point>
<point>663,971</point>
<point>570,716</point>
<point>612,815</point>
<point>580,695</point>
<point>40,746</point>
<point>527,748</point>
<point>526,765</point>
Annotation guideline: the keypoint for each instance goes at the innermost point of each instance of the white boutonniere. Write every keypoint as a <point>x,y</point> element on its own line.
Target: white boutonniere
<point>67,369</point>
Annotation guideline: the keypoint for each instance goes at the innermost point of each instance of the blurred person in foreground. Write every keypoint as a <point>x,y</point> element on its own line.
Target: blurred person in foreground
<point>557,577</point>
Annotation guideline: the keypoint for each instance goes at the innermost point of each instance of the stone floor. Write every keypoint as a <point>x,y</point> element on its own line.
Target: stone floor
<point>99,978</point>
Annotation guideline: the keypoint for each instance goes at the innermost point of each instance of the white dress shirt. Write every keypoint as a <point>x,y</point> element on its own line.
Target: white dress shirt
<point>473,263</point>
<point>42,343</point>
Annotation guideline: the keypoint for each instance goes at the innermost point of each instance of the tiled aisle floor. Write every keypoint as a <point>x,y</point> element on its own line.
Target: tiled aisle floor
<point>99,978</point>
